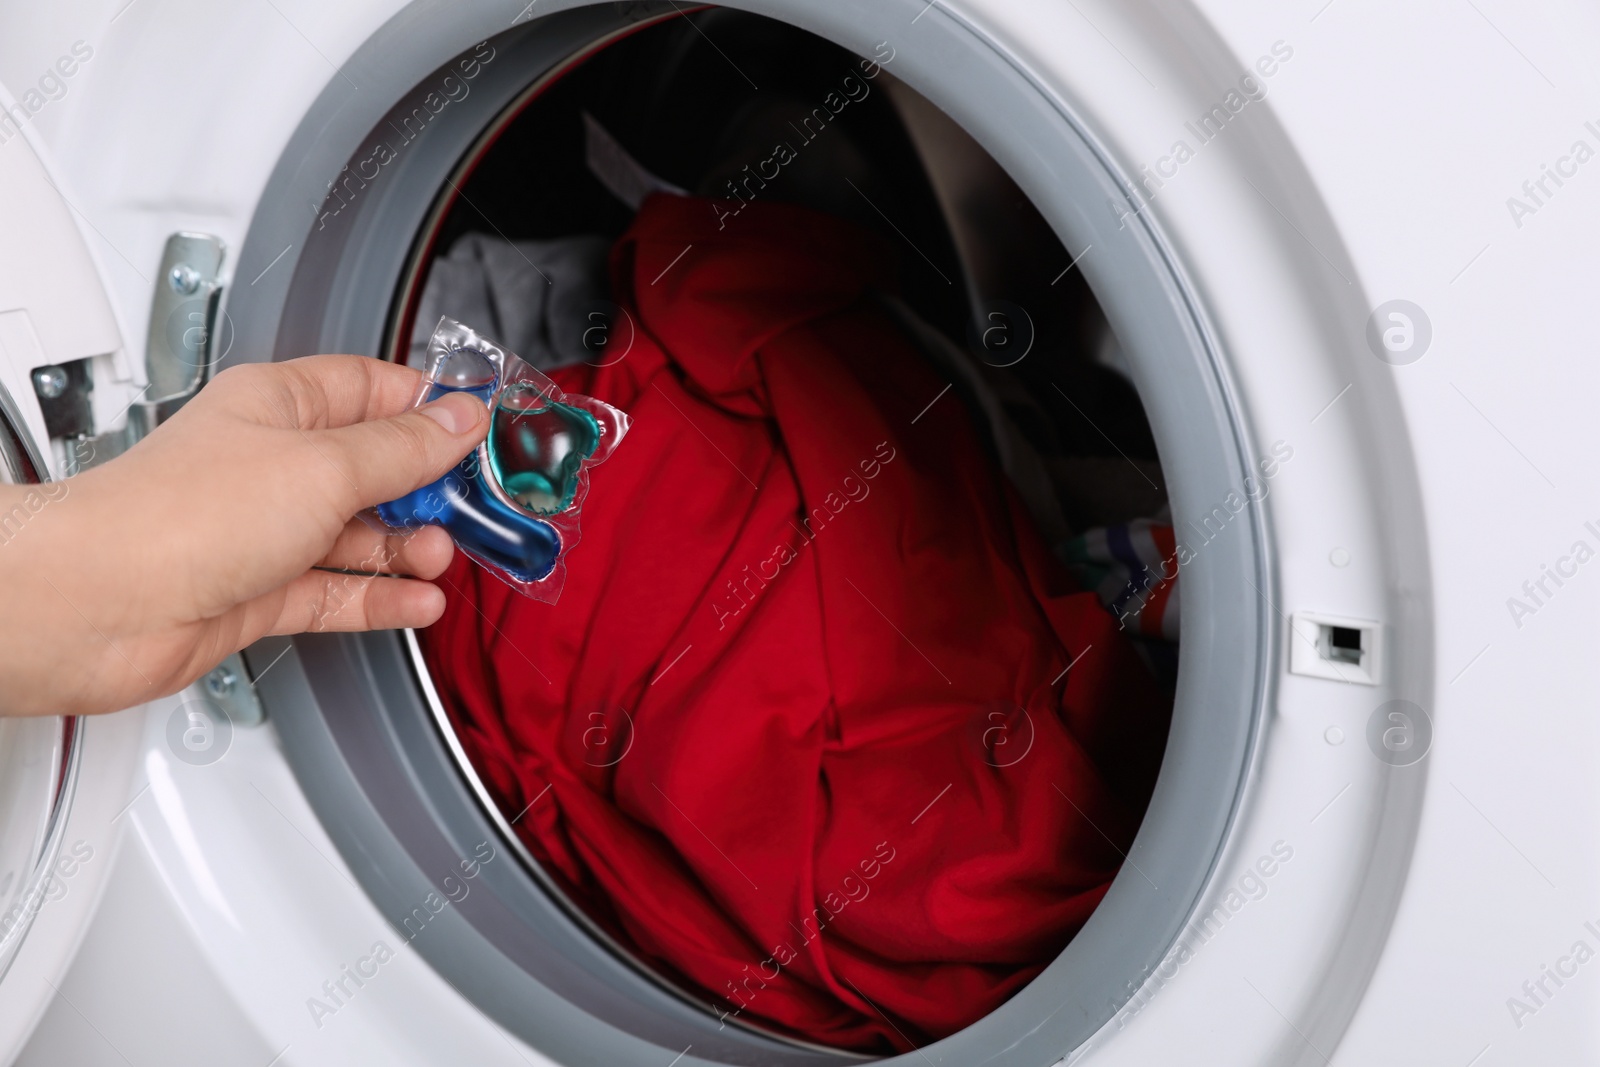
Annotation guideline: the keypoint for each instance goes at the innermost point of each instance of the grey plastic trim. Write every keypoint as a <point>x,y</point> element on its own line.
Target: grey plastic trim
<point>359,734</point>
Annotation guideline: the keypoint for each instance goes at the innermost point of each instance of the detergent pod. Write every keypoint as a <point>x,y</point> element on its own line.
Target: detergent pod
<point>512,504</point>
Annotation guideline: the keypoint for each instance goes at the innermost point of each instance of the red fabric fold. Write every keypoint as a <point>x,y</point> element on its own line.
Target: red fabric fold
<point>801,731</point>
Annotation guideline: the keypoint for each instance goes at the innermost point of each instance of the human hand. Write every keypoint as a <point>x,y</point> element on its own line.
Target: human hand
<point>133,579</point>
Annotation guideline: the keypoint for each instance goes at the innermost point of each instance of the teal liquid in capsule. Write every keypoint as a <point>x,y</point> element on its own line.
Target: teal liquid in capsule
<point>537,446</point>
<point>463,502</point>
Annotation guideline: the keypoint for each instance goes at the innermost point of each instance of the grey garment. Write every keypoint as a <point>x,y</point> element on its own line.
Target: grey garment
<point>543,300</point>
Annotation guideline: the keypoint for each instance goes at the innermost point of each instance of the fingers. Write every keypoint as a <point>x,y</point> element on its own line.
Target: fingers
<point>320,392</point>
<point>321,602</point>
<point>386,458</point>
<point>424,552</point>
<point>361,441</point>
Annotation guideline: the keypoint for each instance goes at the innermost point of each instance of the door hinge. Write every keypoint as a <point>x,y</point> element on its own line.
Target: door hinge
<point>182,346</point>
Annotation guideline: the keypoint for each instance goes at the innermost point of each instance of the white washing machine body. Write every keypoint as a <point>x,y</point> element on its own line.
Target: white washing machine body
<point>1380,220</point>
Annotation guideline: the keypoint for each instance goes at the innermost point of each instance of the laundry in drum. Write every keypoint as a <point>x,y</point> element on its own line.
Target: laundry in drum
<point>817,722</point>
<point>512,505</point>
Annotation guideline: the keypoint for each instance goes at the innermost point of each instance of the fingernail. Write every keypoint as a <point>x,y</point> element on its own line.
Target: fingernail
<point>456,413</point>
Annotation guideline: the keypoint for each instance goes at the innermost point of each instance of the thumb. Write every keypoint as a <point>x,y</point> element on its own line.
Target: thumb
<point>386,458</point>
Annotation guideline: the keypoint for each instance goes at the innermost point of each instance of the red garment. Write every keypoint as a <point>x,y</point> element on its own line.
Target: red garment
<point>804,711</point>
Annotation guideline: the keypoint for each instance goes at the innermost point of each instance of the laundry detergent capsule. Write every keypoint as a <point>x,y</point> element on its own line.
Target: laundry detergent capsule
<point>512,504</point>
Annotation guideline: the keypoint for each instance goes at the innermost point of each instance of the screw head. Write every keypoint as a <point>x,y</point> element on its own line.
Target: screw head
<point>50,382</point>
<point>220,682</point>
<point>184,279</point>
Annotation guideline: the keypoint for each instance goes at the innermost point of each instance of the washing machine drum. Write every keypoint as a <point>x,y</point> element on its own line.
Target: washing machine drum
<point>825,750</point>
<point>819,726</point>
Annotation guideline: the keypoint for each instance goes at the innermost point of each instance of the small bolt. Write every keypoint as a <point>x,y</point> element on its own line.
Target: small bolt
<point>184,279</point>
<point>50,382</point>
<point>220,682</point>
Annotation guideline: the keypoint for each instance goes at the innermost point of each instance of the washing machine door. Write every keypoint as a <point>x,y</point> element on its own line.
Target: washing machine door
<point>54,313</point>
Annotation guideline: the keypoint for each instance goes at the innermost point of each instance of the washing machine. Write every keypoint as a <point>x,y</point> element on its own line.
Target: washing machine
<point>1339,251</point>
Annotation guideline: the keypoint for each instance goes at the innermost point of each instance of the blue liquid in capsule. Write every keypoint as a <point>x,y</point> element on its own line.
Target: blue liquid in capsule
<point>462,502</point>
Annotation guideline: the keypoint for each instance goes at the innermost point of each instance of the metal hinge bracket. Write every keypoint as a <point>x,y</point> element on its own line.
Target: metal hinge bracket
<point>181,348</point>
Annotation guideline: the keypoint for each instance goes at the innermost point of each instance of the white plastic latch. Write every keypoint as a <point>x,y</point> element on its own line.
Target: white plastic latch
<point>1335,647</point>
